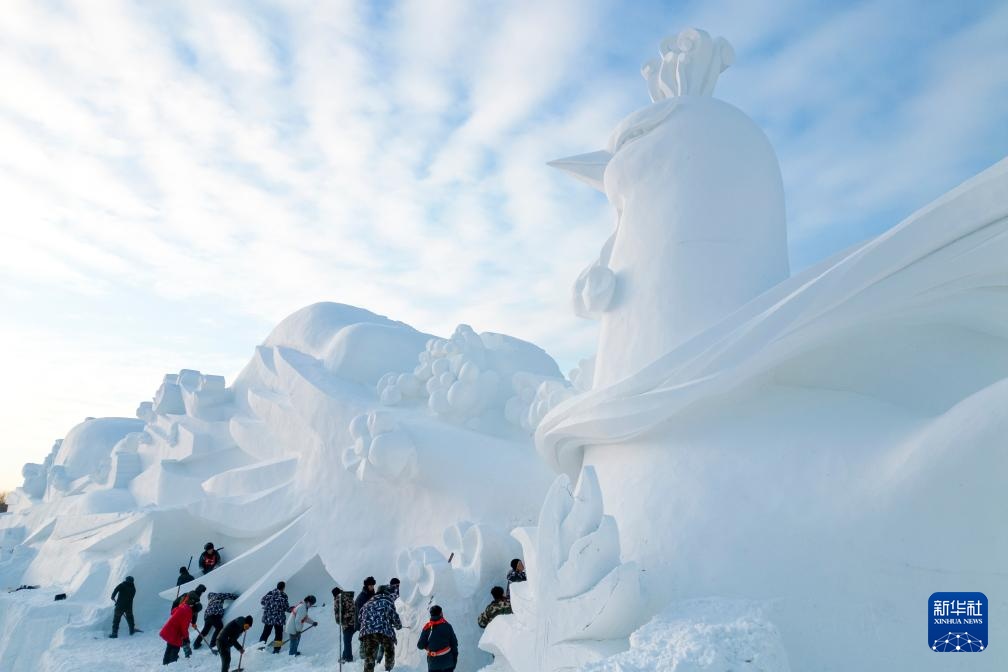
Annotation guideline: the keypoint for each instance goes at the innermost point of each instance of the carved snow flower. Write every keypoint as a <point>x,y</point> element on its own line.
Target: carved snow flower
<point>380,448</point>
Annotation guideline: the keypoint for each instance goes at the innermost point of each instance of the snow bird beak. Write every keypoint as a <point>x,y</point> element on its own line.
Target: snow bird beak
<point>589,168</point>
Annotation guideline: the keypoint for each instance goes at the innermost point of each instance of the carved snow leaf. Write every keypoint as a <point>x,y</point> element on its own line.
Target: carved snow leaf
<point>580,602</point>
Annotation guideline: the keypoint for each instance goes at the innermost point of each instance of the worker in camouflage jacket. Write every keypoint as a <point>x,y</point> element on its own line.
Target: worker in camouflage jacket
<point>346,616</point>
<point>499,605</point>
<point>378,622</point>
<point>275,608</point>
<point>213,618</point>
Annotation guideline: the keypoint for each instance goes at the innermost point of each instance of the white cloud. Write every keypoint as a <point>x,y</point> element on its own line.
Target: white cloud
<point>252,160</point>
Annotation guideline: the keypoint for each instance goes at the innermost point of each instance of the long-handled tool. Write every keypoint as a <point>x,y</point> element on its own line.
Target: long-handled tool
<point>242,654</point>
<point>263,647</point>
<point>179,587</point>
<point>339,629</point>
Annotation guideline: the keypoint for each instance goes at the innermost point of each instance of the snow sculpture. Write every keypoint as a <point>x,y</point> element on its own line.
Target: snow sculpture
<point>699,213</point>
<point>379,445</point>
<point>534,397</point>
<point>580,602</point>
<point>724,426</point>
<point>469,378</point>
<point>458,582</point>
<point>37,475</point>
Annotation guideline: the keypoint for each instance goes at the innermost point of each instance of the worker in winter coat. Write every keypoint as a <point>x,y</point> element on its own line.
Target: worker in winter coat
<point>367,592</point>
<point>275,607</point>
<point>213,618</point>
<point>209,559</point>
<point>184,576</point>
<point>378,622</point>
<point>298,622</point>
<point>123,597</point>
<point>175,630</point>
<point>193,598</point>
<point>516,575</point>
<point>346,617</point>
<point>229,637</point>
<point>438,639</point>
<point>499,605</point>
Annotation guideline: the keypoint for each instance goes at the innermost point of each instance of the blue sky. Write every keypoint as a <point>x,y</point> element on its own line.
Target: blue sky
<point>176,177</point>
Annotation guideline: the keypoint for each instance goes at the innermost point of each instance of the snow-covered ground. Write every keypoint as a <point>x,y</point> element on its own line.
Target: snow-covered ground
<point>85,647</point>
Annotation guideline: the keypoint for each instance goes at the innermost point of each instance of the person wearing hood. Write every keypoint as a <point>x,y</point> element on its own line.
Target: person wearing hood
<point>123,597</point>
<point>175,631</point>
<point>296,623</point>
<point>378,622</point>
<point>229,638</point>
<point>439,641</point>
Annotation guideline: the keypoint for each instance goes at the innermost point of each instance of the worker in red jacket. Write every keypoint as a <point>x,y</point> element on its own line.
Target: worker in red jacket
<point>175,630</point>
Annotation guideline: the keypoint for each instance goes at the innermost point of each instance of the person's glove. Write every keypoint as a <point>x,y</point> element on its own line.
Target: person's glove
<point>240,649</point>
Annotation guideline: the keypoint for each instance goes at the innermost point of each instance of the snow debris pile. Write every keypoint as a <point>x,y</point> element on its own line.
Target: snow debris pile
<point>712,635</point>
<point>785,441</point>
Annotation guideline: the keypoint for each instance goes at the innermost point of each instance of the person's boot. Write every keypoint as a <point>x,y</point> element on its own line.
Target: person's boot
<point>198,643</point>
<point>277,645</point>
<point>114,635</point>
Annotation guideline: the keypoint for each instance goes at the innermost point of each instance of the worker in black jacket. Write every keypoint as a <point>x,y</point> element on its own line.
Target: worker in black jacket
<point>229,637</point>
<point>438,639</point>
<point>184,576</point>
<point>123,597</point>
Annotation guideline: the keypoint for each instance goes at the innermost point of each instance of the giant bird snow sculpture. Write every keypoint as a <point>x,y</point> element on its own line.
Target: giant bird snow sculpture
<point>788,439</point>
<point>700,213</point>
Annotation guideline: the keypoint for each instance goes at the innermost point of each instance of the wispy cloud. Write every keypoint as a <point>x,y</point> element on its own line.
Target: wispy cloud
<point>176,177</point>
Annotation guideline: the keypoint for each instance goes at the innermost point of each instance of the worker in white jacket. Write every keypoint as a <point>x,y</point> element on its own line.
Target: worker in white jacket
<point>298,622</point>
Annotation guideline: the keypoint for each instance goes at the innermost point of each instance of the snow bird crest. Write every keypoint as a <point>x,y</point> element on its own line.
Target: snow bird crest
<point>688,65</point>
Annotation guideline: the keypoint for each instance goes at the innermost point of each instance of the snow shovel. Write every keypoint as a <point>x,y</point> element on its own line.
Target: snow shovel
<point>242,654</point>
<point>264,646</point>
